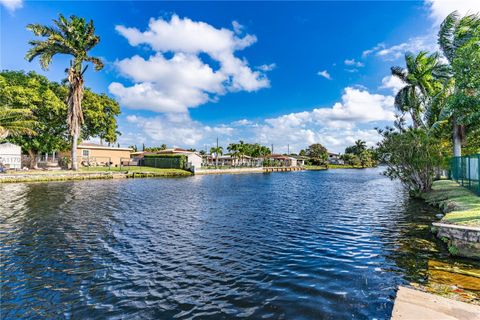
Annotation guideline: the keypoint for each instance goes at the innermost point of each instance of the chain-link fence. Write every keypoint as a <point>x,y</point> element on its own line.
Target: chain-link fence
<point>466,171</point>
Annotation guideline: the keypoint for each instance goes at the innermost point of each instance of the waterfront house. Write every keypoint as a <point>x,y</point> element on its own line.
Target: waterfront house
<point>229,161</point>
<point>301,160</point>
<point>194,160</point>
<point>93,154</point>
<point>334,158</point>
<point>281,160</point>
<point>10,156</point>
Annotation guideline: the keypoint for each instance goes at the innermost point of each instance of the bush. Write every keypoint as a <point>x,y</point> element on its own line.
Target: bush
<point>411,156</point>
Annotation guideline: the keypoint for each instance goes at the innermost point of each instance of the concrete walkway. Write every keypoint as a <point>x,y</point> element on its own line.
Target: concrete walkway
<point>413,304</point>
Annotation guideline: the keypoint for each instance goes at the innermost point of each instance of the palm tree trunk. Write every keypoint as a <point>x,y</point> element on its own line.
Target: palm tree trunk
<point>456,139</point>
<point>75,114</point>
<point>216,160</point>
<point>74,152</point>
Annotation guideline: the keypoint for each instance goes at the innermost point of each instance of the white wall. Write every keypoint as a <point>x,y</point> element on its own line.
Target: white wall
<point>11,155</point>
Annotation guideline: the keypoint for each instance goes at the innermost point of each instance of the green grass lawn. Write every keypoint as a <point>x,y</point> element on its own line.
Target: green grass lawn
<point>462,206</point>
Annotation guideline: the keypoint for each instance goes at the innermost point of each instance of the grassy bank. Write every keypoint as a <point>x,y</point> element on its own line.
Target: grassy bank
<point>138,169</point>
<point>90,174</point>
<point>461,206</point>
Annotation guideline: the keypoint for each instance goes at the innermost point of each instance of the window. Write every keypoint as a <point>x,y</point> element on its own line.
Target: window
<point>86,153</point>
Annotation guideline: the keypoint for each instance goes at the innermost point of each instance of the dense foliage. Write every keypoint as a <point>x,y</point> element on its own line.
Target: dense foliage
<point>443,101</point>
<point>46,100</point>
<point>247,149</point>
<point>317,153</point>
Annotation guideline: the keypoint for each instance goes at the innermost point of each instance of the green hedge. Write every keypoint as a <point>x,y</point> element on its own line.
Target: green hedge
<point>171,161</point>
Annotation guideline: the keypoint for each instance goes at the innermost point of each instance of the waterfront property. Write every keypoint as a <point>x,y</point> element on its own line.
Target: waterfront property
<point>10,156</point>
<point>276,160</point>
<point>94,155</point>
<point>334,158</point>
<point>231,161</point>
<point>193,161</point>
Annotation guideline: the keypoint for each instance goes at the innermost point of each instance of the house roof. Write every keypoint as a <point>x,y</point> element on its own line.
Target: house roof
<point>279,156</point>
<point>91,145</point>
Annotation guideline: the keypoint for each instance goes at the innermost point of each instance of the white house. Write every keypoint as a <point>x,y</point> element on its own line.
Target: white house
<point>10,155</point>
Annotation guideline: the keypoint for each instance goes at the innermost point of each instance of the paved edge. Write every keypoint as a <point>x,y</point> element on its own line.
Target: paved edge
<point>413,304</point>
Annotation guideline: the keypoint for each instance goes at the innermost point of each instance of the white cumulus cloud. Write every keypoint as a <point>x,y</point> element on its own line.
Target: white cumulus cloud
<point>439,9</point>
<point>185,80</point>
<point>392,83</point>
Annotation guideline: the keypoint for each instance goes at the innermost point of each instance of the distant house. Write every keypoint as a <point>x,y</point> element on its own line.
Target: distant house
<point>301,160</point>
<point>194,160</point>
<point>281,160</point>
<point>334,158</point>
<point>93,154</point>
<point>10,156</point>
<point>228,160</point>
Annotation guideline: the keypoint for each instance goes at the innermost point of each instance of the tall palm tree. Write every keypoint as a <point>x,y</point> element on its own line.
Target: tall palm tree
<point>454,33</point>
<point>15,122</point>
<point>421,77</point>
<point>74,37</point>
<point>218,152</point>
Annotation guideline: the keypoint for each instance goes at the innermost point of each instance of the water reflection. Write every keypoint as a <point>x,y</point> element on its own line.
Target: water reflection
<point>306,245</point>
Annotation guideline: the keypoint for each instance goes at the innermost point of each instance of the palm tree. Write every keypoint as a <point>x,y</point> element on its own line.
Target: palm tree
<point>74,37</point>
<point>218,152</point>
<point>360,146</point>
<point>454,33</point>
<point>15,122</point>
<point>421,82</point>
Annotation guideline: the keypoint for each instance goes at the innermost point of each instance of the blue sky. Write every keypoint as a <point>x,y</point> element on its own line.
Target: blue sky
<point>271,72</point>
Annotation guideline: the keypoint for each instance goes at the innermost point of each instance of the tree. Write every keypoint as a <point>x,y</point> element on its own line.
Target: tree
<point>357,148</point>
<point>459,40</point>
<point>73,37</point>
<point>420,78</point>
<point>218,151</point>
<point>411,156</point>
<point>317,153</point>
<point>47,102</point>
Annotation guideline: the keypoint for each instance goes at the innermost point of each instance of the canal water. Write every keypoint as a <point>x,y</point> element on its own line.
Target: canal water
<point>301,245</point>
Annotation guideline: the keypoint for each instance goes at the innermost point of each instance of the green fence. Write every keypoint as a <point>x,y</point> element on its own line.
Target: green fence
<point>466,171</point>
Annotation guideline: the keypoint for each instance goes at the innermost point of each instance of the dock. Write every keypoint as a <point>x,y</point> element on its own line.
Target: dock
<point>282,169</point>
<point>413,304</point>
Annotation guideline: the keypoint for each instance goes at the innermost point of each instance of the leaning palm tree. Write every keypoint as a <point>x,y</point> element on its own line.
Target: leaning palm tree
<point>15,122</point>
<point>74,37</point>
<point>454,34</point>
<point>421,77</point>
<point>218,151</point>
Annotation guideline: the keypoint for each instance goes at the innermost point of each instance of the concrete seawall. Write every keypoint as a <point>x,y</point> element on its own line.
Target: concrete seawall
<point>462,240</point>
<point>413,304</point>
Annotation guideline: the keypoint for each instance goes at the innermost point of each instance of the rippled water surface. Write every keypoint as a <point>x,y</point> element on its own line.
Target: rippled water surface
<point>302,245</point>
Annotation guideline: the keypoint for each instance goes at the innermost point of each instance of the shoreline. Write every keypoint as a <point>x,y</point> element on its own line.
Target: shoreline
<point>67,175</point>
<point>459,228</point>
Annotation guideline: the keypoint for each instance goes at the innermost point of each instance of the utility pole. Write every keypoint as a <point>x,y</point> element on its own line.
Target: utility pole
<point>288,149</point>
<point>216,155</point>
<point>272,148</point>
